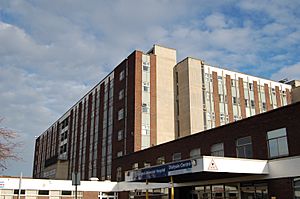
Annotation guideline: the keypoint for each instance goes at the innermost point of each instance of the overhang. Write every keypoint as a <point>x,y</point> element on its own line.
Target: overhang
<point>205,166</point>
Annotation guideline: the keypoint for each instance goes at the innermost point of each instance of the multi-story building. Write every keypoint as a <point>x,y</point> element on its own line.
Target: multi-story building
<point>120,115</point>
<point>257,157</point>
<point>208,97</point>
<point>148,99</point>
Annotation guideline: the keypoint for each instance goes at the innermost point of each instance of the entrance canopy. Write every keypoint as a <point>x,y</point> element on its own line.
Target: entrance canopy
<point>203,164</point>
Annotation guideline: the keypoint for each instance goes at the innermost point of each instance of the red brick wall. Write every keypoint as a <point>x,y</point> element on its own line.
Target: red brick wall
<point>216,98</point>
<point>256,127</point>
<point>256,100</point>
<point>229,98</point>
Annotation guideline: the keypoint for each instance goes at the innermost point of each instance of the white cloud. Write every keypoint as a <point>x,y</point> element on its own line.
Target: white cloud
<point>291,72</point>
<point>215,21</point>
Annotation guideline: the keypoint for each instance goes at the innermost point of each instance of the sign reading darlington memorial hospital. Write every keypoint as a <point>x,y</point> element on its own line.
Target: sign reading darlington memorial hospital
<point>175,168</point>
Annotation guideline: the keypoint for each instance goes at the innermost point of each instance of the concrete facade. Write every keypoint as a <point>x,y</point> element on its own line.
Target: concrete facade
<point>208,97</point>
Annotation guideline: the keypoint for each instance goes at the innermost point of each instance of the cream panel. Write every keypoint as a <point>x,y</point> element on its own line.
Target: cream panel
<point>165,62</point>
<point>183,99</point>
<point>196,98</point>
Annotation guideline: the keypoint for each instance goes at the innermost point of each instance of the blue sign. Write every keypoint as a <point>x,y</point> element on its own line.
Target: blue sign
<point>175,168</point>
<point>2,184</point>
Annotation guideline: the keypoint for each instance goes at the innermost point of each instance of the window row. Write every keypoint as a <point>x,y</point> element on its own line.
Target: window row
<point>276,142</point>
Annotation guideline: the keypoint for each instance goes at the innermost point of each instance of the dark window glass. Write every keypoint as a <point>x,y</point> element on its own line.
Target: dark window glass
<point>16,191</point>
<point>43,192</point>
<point>66,192</point>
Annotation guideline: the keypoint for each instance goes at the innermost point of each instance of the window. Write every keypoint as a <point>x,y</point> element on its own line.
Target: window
<point>120,153</point>
<point>221,98</point>
<point>16,191</point>
<point>120,135</point>
<point>222,117</point>
<point>244,147</point>
<point>232,83</point>
<point>135,166</point>
<point>195,153</point>
<point>234,101</point>
<point>119,174</point>
<point>121,94</point>
<point>217,149</point>
<point>43,192</point>
<point>146,66</point>
<point>66,193</point>
<point>145,108</point>
<point>121,75</point>
<point>251,86</point>
<point>235,117</point>
<point>297,188</point>
<point>264,106</point>
<point>146,86</point>
<point>147,164</point>
<point>63,148</point>
<point>277,143</point>
<point>121,114</point>
<point>252,104</point>
<point>176,157</point>
<point>246,102</point>
<point>160,160</point>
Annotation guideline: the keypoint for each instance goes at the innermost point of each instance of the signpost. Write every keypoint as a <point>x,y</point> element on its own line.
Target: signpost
<point>75,181</point>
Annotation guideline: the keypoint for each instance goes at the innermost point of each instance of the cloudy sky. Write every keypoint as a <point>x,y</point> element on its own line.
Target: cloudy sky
<point>52,52</point>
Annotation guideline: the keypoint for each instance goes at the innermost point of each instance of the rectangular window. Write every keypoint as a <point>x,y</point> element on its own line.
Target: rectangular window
<point>147,164</point>
<point>252,104</point>
<point>195,153</point>
<point>121,75</point>
<point>264,107</point>
<point>251,86</point>
<point>217,150</point>
<point>16,191</point>
<point>246,102</point>
<point>119,174</point>
<point>120,153</point>
<point>277,143</point>
<point>297,188</point>
<point>160,160</point>
<point>120,135</point>
<point>234,100</point>
<point>232,83</point>
<point>121,94</point>
<point>146,86</point>
<point>135,166</point>
<point>176,157</point>
<point>244,147</point>
<point>43,192</point>
<point>146,66</point>
<point>121,114</point>
<point>221,98</point>
<point>145,108</point>
<point>64,193</point>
